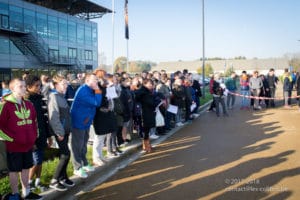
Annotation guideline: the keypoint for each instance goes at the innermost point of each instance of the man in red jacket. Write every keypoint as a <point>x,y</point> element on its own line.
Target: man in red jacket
<point>18,121</point>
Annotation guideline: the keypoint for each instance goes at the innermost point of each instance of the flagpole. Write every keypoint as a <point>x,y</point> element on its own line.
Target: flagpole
<point>126,34</point>
<point>113,36</point>
<point>127,62</point>
<point>203,51</point>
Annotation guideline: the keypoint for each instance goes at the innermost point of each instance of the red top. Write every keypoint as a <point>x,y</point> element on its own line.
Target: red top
<point>19,122</point>
<point>211,83</point>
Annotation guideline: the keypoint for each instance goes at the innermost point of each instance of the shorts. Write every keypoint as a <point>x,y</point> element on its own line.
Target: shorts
<point>126,124</point>
<point>38,156</point>
<point>17,161</point>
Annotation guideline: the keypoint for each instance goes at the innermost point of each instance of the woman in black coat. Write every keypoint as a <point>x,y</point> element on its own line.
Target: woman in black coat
<point>145,97</point>
<point>105,125</point>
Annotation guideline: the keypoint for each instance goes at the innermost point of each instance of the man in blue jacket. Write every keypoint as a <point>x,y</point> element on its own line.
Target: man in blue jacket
<point>87,98</point>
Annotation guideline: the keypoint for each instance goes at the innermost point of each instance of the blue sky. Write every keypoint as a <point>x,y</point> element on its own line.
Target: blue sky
<point>171,30</point>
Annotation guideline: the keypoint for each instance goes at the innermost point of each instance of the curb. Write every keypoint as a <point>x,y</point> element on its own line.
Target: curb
<point>101,174</point>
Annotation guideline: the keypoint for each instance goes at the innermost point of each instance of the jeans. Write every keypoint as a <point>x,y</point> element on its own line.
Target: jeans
<point>272,95</point>
<point>255,93</point>
<point>287,99</point>
<point>111,142</point>
<point>230,100</point>
<point>220,100</point>
<point>245,100</point>
<point>178,117</point>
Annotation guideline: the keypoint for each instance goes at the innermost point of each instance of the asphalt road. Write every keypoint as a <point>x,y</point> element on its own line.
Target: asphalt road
<point>248,155</point>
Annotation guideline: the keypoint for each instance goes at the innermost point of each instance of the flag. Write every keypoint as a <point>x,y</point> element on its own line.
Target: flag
<point>126,20</point>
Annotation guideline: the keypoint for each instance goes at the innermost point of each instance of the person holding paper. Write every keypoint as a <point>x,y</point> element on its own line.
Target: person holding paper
<point>178,99</point>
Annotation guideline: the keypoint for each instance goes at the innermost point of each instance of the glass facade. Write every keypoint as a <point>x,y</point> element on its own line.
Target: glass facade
<point>41,25</point>
<point>64,37</point>
<point>52,28</point>
<point>4,45</point>
<point>63,29</point>
<point>29,21</point>
<point>15,18</point>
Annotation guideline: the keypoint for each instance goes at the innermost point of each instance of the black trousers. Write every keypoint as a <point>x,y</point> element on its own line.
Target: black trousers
<point>64,158</point>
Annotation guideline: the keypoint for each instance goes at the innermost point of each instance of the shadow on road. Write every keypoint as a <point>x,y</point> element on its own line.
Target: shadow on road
<point>213,158</point>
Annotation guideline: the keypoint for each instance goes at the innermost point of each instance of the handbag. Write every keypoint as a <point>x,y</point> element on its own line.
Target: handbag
<point>159,119</point>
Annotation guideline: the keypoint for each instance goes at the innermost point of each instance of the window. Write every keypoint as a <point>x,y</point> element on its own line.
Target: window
<point>4,45</point>
<point>88,55</point>
<point>94,36</point>
<point>63,54</point>
<point>72,53</point>
<point>3,9</point>
<point>16,18</point>
<point>80,33</point>
<point>63,29</point>
<point>41,22</point>
<point>53,55</point>
<point>52,27</point>
<point>29,21</point>
<point>88,35</point>
<point>4,21</point>
<point>71,31</point>
<point>4,16</point>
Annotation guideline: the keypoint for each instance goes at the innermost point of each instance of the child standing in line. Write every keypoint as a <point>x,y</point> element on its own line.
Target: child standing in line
<point>60,123</point>
<point>33,87</point>
<point>18,121</point>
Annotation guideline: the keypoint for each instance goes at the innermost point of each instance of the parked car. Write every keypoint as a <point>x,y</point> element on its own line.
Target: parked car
<point>206,81</point>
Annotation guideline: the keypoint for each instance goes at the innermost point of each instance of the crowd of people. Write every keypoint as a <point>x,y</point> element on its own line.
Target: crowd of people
<point>64,107</point>
<point>255,90</point>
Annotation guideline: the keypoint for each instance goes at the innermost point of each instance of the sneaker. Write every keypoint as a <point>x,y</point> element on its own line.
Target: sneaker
<point>196,115</point>
<point>112,155</point>
<point>88,168</point>
<point>12,197</point>
<point>98,163</point>
<point>58,186</point>
<point>154,136</point>
<point>119,151</point>
<point>32,196</point>
<point>179,124</point>
<point>127,140</point>
<point>67,182</point>
<point>81,173</point>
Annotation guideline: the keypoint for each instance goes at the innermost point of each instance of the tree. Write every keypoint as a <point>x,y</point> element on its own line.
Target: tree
<point>229,71</point>
<point>208,69</point>
<point>120,64</point>
<point>295,62</point>
<point>240,58</point>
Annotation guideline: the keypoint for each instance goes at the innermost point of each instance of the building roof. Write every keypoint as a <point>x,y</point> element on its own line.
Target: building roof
<point>223,65</point>
<point>82,8</point>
